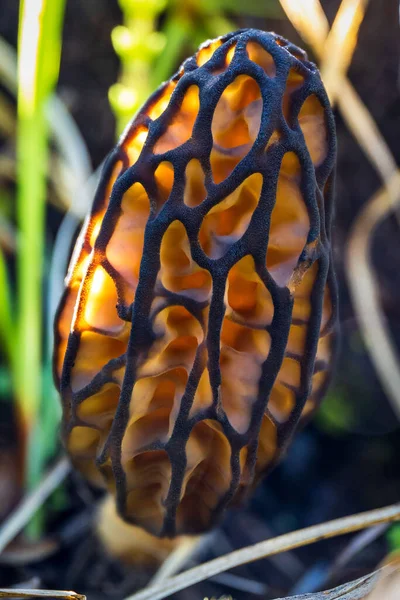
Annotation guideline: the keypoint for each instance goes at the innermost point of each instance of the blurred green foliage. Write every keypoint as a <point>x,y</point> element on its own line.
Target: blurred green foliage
<point>149,55</point>
<point>336,414</point>
<point>393,538</point>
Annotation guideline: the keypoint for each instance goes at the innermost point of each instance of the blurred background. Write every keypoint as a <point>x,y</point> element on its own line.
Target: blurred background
<point>69,83</point>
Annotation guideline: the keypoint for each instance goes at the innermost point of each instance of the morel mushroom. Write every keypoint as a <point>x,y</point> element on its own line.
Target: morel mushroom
<point>197,324</point>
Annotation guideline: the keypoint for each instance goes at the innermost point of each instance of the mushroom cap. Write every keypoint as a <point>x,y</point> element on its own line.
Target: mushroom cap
<point>197,327</point>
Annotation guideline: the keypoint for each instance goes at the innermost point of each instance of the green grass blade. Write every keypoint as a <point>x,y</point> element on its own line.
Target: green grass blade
<point>7,327</point>
<point>39,44</point>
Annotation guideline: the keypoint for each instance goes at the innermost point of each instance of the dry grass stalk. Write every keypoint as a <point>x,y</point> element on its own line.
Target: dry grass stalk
<point>340,44</point>
<point>309,19</point>
<point>364,290</point>
<point>28,507</point>
<point>353,590</point>
<point>266,548</point>
<point>49,594</point>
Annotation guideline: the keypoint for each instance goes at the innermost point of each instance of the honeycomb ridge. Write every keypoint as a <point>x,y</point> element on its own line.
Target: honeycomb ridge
<point>197,327</point>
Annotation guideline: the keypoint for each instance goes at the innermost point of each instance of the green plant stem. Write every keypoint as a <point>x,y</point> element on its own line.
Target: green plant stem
<point>7,333</point>
<point>39,43</point>
<point>32,159</point>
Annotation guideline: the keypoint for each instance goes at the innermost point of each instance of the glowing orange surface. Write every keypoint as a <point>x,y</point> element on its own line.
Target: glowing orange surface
<point>102,283</point>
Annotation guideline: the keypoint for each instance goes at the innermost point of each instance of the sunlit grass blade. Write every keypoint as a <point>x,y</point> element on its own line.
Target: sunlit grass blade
<point>39,43</point>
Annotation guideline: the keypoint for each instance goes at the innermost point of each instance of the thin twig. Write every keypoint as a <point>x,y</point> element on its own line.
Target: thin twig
<point>178,558</point>
<point>22,593</point>
<point>242,584</point>
<point>387,587</point>
<point>28,507</point>
<point>353,590</point>
<point>266,548</point>
<point>356,545</point>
